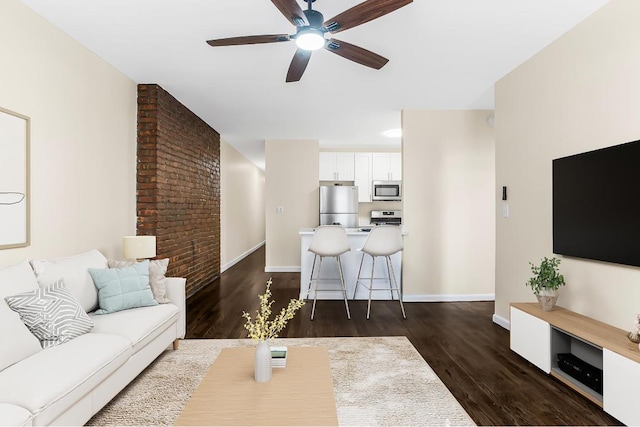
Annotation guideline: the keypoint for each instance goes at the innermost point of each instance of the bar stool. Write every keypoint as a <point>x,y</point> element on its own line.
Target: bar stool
<point>383,241</point>
<point>328,241</point>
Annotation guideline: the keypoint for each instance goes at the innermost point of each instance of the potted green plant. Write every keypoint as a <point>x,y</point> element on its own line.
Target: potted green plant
<point>546,281</point>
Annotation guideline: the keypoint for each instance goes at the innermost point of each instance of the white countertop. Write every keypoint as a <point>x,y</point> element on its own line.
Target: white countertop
<point>359,231</point>
<point>350,231</point>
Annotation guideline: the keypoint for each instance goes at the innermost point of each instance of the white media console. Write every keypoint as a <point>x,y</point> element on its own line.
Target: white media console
<point>539,336</point>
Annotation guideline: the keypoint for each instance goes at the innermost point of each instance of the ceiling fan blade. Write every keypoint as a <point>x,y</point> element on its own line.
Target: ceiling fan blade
<point>356,54</point>
<point>292,11</point>
<point>298,65</point>
<point>363,12</point>
<point>232,41</point>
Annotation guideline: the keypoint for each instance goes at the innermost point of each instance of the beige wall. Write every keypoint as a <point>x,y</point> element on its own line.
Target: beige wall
<point>580,93</point>
<point>83,140</point>
<point>291,183</point>
<point>449,198</point>
<point>242,222</point>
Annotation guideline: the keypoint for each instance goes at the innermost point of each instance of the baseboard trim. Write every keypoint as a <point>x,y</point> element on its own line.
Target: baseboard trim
<point>241,257</point>
<point>292,269</point>
<point>448,297</point>
<point>501,321</point>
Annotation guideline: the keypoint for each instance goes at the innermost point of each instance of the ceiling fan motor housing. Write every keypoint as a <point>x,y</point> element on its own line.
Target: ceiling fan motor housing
<point>314,18</point>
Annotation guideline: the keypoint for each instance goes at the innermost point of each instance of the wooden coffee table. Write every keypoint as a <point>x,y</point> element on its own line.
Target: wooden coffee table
<point>300,394</point>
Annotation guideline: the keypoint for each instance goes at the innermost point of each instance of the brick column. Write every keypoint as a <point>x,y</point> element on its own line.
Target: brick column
<point>178,186</point>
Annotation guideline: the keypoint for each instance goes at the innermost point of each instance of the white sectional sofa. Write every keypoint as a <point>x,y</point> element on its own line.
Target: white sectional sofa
<point>68,383</point>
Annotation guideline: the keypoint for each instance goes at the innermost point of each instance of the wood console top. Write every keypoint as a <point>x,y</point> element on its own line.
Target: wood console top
<point>591,330</point>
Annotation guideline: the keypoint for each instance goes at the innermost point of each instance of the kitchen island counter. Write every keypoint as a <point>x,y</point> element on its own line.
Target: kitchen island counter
<point>350,265</point>
<point>364,231</point>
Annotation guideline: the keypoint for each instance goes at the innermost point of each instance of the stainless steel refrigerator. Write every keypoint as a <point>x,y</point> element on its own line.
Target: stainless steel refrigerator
<point>339,205</point>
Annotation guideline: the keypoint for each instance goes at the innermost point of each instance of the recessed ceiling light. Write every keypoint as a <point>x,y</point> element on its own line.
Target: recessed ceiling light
<point>393,133</point>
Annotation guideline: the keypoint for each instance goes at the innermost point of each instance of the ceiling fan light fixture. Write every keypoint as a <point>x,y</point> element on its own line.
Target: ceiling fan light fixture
<point>310,39</point>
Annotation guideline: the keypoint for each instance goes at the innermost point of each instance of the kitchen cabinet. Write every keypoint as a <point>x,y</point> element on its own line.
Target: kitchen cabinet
<point>386,166</point>
<point>336,166</point>
<point>362,176</point>
<point>371,167</point>
<point>395,166</point>
<point>362,168</point>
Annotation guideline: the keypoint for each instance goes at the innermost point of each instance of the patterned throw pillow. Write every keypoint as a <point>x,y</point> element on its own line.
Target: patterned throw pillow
<point>51,313</point>
<point>157,279</point>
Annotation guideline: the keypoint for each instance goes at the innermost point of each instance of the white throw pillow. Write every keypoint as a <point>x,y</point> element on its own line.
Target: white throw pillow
<point>74,270</point>
<point>18,342</point>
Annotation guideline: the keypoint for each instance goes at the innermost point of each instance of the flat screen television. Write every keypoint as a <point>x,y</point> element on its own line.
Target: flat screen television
<point>596,204</point>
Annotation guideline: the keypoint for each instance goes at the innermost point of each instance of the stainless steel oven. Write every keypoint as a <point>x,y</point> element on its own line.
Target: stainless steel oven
<point>387,190</point>
<point>386,217</point>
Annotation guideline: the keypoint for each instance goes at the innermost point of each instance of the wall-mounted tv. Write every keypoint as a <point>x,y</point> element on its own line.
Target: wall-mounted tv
<point>596,204</point>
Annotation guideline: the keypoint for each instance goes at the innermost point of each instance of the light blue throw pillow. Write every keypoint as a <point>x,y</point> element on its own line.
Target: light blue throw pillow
<point>123,288</point>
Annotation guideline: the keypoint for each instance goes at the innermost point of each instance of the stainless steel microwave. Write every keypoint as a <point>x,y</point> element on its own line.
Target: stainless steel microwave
<point>387,190</point>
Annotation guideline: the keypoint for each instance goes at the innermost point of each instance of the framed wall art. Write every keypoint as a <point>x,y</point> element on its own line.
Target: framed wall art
<point>14,179</point>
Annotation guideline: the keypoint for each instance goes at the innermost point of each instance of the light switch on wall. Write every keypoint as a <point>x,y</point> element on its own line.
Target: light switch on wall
<point>280,209</point>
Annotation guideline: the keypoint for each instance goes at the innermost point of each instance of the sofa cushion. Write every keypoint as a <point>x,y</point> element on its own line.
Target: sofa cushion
<point>50,381</point>
<point>12,415</point>
<point>138,325</point>
<point>74,271</point>
<point>123,288</point>
<point>19,342</point>
<point>51,313</point>
<point>157,278</point>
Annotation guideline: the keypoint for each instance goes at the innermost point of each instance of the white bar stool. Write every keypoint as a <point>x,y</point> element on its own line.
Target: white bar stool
<point>383,240</point>
<point>328,241</point>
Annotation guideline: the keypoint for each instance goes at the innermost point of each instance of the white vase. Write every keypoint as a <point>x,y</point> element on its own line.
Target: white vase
<point>547,299</point>
<point>263,362</point>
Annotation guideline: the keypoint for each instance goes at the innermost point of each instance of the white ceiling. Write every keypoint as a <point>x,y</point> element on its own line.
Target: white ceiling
<point>443,54</point>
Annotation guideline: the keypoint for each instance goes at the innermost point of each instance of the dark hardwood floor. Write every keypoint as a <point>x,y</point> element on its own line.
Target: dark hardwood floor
<point>459,341</point>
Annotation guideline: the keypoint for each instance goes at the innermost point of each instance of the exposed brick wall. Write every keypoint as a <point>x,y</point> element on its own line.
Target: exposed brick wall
<point>178,186</point>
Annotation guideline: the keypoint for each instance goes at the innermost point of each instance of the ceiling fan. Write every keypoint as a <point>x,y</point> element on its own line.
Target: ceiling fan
<point>311,29</point>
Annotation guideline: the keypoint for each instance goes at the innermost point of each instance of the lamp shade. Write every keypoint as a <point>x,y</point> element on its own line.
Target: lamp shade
<point>135,247</point>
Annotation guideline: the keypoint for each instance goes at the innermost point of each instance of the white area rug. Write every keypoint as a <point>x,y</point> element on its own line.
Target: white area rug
<point>377,381</point>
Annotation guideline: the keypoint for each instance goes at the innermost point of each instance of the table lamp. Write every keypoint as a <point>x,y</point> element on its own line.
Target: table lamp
<point>138,247</point>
